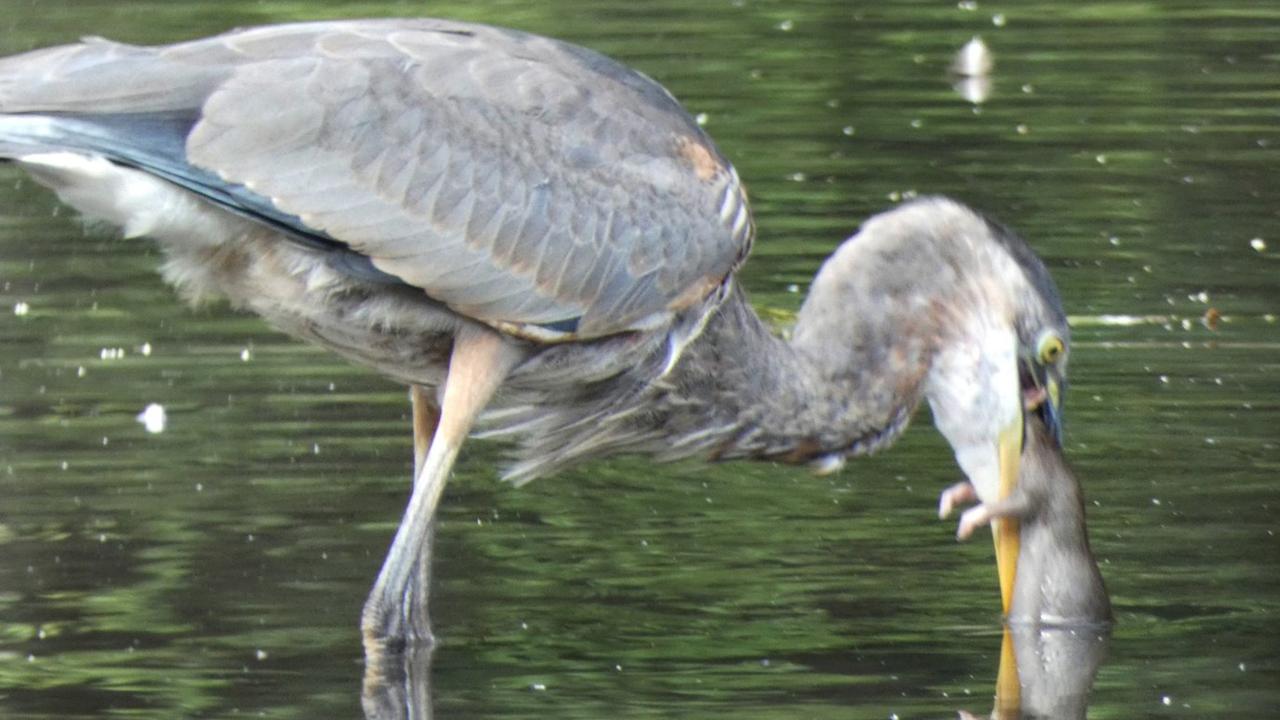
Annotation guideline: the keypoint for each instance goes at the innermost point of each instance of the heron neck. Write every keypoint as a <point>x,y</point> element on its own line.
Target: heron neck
<point>768,398</point>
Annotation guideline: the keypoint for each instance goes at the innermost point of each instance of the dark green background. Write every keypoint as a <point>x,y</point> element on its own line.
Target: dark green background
<point>217,569</point>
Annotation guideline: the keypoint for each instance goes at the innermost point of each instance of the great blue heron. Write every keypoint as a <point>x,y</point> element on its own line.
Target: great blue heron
<point>507,222</point>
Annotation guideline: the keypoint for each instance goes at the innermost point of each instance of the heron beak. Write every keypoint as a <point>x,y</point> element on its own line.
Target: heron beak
<point>1045,397</point>
<point>1005,531</point>
<point>1051,409</point>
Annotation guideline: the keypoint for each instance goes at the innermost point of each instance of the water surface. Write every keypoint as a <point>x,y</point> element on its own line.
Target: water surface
<point>216,569</point>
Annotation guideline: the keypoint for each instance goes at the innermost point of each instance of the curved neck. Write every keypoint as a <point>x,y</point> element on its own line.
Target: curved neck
<point>743,392</point>
<point>928,298</point>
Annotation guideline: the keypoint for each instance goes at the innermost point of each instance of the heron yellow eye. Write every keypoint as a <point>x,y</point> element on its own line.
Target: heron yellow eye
<point>1050,349</point>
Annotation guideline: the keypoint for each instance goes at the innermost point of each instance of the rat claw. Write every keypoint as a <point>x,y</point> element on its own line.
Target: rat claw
<point>953,496</point>
<point>972,519</point>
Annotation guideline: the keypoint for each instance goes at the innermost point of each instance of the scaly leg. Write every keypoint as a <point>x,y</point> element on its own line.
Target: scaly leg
<point>381,658</point>
<point>426,418</point>
<point>479,364</point>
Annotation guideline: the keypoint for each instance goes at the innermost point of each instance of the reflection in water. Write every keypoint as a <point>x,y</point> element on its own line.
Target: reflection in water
<point>397,683</point>
<point>1044,672</point>
<point>1047,672</point>
<point>973,89</point>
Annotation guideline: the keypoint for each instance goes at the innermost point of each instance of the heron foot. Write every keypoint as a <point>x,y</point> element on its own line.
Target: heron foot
<point>392,630</point>
<point>397,620</point>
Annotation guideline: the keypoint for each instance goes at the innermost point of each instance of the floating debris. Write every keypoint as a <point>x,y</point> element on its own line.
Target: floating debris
<point>154,418</point>
<point>1211,318</point>
<point>1257,244</point>
<point>21,309</point>
<point>971,71</point>
<point>973,59</point>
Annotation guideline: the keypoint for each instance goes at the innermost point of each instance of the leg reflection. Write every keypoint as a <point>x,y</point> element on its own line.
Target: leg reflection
<point>397,682</point>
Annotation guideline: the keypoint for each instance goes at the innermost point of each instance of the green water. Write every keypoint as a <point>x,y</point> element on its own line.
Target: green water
<point>217,569</point>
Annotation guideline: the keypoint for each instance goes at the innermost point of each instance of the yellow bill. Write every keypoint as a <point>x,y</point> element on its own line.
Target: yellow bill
<point>1005,531</point>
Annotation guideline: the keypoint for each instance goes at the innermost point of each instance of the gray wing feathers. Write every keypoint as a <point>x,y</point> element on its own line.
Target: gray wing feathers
<point>515,178</point>
<point>104,77</point>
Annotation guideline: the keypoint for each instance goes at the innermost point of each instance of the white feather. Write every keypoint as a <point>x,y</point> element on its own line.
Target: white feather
<point>139,203</point>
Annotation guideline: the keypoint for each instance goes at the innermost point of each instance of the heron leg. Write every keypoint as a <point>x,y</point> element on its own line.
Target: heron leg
<point>480,361</point>
<point>426,418</point>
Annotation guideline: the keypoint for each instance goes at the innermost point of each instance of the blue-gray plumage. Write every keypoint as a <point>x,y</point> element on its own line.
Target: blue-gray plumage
<point>517,226</point>
<point>547,185</point>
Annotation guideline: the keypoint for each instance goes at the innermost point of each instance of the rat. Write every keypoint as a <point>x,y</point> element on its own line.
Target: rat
<point>1057,582</point>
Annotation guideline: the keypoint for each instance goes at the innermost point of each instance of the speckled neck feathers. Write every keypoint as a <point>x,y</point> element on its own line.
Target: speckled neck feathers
<point>880,313</point>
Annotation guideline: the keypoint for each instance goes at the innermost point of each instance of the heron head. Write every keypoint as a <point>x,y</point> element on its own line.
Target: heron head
<point>1003,352</point>
<point>933,301</point>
